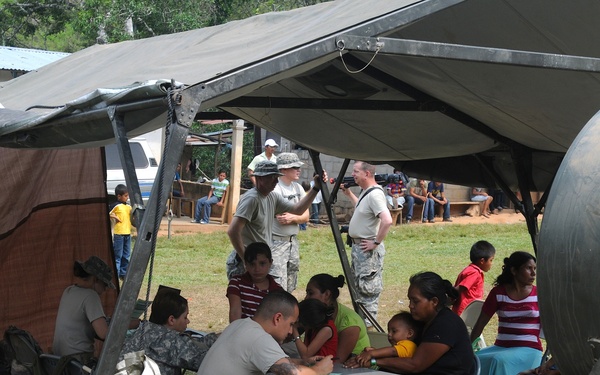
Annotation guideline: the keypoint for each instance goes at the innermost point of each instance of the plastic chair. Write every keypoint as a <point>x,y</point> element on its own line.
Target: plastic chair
<point>477,366</point>
<point>378,339</point>
<point>470,315</point>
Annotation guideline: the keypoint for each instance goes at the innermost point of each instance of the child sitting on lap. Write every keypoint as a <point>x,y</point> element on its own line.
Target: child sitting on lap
<point>402,331</point>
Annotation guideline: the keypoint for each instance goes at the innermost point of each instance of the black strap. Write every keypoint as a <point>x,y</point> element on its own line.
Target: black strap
<point>366,193</point>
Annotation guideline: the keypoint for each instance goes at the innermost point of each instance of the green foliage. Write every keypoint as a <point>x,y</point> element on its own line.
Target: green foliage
<point>22,23</point>
<point>70,25</point>
<point>213,158</point>
<point>240,9</point>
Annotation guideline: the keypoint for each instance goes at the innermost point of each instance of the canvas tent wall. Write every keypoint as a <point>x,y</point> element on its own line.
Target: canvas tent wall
<point>53,212</point>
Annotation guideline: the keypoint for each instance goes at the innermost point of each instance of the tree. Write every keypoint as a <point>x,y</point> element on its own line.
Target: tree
<point>24,24</point>
<point>103,21</point>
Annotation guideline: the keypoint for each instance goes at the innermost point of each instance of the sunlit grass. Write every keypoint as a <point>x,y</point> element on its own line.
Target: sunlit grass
<point>196,264</point>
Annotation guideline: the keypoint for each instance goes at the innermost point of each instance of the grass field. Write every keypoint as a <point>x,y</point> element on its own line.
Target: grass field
<point>196,264</point>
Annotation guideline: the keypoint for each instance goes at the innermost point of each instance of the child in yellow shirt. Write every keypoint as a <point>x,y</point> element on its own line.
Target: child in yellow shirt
<point>403,329</point>
<point>121,213</point>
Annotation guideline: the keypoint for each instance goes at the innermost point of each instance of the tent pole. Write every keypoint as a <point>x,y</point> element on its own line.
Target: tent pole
<point>182,107</point>
<point>335,227</point>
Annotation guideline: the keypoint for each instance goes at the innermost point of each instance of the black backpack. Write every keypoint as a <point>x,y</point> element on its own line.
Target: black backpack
<point>20,353</point>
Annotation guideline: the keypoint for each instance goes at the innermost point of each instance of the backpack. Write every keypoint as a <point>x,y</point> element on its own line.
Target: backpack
<point>21,352</point>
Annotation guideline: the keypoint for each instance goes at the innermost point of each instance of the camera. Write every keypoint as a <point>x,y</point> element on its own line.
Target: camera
<point>381,179</point>
<point>344,229</point>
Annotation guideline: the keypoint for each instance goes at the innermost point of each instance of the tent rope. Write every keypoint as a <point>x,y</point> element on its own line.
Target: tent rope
<point>341,49</point>
<point>159,207</point>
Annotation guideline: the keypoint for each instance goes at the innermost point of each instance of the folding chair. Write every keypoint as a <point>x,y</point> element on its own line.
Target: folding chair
<point>470,315</point>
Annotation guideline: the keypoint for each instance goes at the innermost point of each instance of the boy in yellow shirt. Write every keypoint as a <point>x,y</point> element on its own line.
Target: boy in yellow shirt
<point>403,329</point>
<point>121,213</point>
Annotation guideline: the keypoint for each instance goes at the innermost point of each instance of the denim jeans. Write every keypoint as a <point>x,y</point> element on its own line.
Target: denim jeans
<point>204,206</point>
<point>314,213</point>
<point>122,249</point>
<point>428,206</point>
<point>409,203</point>
<point>446,210</point>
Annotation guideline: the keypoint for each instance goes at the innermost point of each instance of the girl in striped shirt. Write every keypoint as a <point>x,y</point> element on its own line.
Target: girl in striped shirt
<point>514,299</point>
<point>245,292</point>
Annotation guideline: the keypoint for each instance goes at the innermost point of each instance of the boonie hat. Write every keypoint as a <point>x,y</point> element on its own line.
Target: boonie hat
<point>96,267</point>
<point>271,142</point>
<point>266,168</point>
<point>288,160</point>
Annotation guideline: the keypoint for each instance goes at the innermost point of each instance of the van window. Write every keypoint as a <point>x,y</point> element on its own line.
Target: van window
<point>140,160</point>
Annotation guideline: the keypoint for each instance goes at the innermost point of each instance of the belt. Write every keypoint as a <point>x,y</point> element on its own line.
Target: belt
<point>283,238</point>
<point>357,240</point>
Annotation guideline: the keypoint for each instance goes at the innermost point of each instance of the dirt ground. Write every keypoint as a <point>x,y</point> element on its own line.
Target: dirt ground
<point>183,225</point>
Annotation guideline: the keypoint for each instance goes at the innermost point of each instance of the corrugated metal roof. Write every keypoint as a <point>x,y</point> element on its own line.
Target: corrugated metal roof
<point>13,58</point>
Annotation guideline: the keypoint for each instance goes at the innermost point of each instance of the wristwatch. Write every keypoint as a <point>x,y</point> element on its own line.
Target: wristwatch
<point>376,243</point>
<point>373,362</point>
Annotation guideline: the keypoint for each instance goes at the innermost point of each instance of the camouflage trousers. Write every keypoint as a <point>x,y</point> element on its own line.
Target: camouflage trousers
<point>367,268</point>
<point>234,265</point>
<point>286,262</point>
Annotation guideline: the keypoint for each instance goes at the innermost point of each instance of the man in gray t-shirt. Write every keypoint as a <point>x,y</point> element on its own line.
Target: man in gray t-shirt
<point>252,345</point>
<point>255,213</point>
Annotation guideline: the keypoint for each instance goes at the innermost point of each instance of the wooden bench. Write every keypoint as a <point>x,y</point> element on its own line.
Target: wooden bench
<point>456,209</point>
<point>179,206</point>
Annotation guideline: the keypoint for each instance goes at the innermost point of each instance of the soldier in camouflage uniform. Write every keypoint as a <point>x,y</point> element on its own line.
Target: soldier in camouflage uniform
<point>285,249</point>
<point>255,213</point>
<point>368,227</point>
<point>162,336</point>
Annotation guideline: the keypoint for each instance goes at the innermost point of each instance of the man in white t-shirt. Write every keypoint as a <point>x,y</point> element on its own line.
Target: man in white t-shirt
<point>252,345</point>
<point>285,248</point>
<point>368,227</point>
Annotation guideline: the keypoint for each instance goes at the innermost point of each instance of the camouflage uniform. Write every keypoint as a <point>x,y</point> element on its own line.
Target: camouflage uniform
<point>171,350</point>
<point>286,262</point>
<point>285,248</point>
<point>367,268</point>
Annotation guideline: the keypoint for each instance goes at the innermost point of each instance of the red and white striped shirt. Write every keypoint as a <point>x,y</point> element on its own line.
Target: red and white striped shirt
<point>250,295</point>
<point>518,321</point>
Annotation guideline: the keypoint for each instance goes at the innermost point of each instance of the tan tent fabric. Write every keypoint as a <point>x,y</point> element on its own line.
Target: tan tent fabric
<point>53,212</point>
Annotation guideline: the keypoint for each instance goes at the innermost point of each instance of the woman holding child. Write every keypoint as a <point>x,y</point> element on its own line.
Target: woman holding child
<point>443,346</point>
<point>351,329</point>
<point>514,299</point>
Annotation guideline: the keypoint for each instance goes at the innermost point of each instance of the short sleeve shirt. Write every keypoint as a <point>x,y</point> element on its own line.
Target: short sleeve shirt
<point>261,157</point>
<point>472,279</point>
<point>219,187</point>
<point>349,318</point>
<point>242,348</point>
<point>449,329</point>
<point>293,193</point>
<point>365,220</point>
<point>260,213</point>
<point>436,191</point>
<point>74,333</point>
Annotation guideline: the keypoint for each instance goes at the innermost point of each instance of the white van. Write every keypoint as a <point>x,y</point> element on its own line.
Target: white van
<point>146,167</point>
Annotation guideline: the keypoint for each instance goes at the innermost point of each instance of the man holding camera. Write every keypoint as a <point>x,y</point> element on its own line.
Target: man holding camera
<point>368,227</point>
